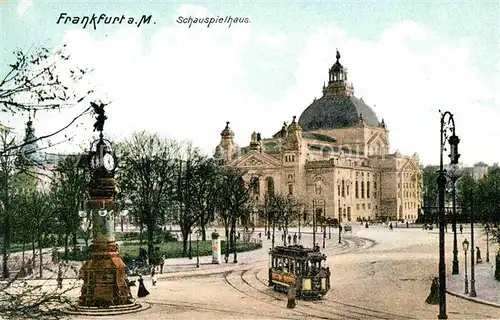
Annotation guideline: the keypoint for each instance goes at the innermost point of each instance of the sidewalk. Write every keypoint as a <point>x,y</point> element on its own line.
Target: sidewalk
<point>487,288</point>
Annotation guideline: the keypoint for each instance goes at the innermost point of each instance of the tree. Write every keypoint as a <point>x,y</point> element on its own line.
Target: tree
<point>430,189</point>
<point>37,80</point>
<point>466,193</point>
<point>70,192</point>
<point>146,176</point>
<point>42,80</point>
<point>489,196</point>
<point>234,203</point>
<point>206,193</point>
<point>7,173</point>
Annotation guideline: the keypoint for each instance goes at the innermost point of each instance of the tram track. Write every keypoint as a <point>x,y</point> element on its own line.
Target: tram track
<point>264,295</point>
<point>319,308</point>
<point>353,311</point>
<point>198,306</point>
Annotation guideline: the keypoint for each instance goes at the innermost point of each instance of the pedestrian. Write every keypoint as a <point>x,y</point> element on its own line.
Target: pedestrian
<point>433,297</point>
<point>407,225</point>
<point>390,226</point>
<point>289,238</point>
<point>294,238</point>
<point>142,291</point>
<point>162,262</point>
<point>461,229</point>
<point>260,235</point>
<point>153,277</point>
<point>59,277</point>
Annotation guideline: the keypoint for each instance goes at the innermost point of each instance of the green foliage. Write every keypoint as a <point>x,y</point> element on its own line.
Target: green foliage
<point>430,187</point>
<point>174,249</point>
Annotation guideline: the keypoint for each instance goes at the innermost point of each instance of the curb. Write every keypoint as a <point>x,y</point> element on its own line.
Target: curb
<point>476,300</point>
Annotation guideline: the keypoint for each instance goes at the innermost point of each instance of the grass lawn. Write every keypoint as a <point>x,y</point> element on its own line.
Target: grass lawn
<point>171,249</point>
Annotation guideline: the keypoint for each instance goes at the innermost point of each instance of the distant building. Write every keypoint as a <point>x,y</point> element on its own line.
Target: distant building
<point>42,162</point>
<point>479,170</point>
<point>335,158</point>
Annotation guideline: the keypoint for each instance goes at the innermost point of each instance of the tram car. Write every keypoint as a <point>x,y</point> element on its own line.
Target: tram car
<point>301,267</point>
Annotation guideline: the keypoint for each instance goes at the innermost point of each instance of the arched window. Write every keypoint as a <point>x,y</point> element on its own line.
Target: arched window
<point>319,187</point>
<point>343,188</point>
<point>290,189</point>
<point>356,189</point>
<point>368,189</point>
<point>290,177</point>
<point>270,186</point>
<point>255,184</point>
<point>362,189</point>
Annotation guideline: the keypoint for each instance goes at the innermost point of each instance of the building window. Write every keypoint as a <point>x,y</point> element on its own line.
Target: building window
<point>357,206</point>
<point>290,177</point>
<point>356,189</point>
<point>319,187</point>
<point>362,189</point>
<point>255,184</point>
<point>290,189</point>
<point>369,206</point>
<point>399,185</point>
<point>347,188</point>
<point>374,189</point>
<point>348,214</point>
<point>270,186</point>
<point>363,206</point>
<point>338,190</point>
<point>343,188</point>
<point>368,189</point>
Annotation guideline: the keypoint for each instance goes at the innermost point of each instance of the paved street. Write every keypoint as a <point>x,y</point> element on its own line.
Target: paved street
<point>376,274</point>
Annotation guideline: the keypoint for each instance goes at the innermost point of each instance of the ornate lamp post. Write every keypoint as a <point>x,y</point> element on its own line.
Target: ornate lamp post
<point>454,174</point>
<point>465,245</point>
<point>314,222</point>
<point>487,230</point>
<point>329,228</point>
<point>472,292</point>
<point>453,140</point>
<point>104,274</point>
<point>324,223</point>
<point>198,232</point>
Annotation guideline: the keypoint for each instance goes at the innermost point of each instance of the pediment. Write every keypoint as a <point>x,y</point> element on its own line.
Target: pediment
<point>377,137</point>
<point>256,159</point>
<point>410,166</point>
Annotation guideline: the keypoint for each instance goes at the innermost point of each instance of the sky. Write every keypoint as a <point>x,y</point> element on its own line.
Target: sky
<point>407,60</point>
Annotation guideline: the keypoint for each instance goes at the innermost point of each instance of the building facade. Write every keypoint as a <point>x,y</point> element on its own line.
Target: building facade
<point>335,159</point>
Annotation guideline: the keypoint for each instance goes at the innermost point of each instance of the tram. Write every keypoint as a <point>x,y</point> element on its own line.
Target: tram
<point>301,267</point>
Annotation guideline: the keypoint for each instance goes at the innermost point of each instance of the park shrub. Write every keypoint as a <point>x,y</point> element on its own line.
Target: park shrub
<point>130,250</point>
<point>78,255</point>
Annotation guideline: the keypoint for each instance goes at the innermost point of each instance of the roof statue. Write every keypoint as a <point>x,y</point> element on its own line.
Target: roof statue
<point>100,118</point>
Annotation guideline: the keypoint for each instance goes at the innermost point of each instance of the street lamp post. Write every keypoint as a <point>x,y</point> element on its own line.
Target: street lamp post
<point>314,223</point>
<point>487,230</point>
<point>190,253</point>
<point>453,140</point>
<point>472,292</point>
<point>197,248</point>
<point>324,223</point>
<point>465,245</point>
<point>454,174</point>
<point>329,228</point>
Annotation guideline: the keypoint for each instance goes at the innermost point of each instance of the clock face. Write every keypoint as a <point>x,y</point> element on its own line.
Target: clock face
<point>109,162</point>
<point>95,161</point>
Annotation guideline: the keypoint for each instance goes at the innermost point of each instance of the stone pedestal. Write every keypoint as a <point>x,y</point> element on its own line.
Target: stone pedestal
<point>104,274</point>
<point>216,250</point>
